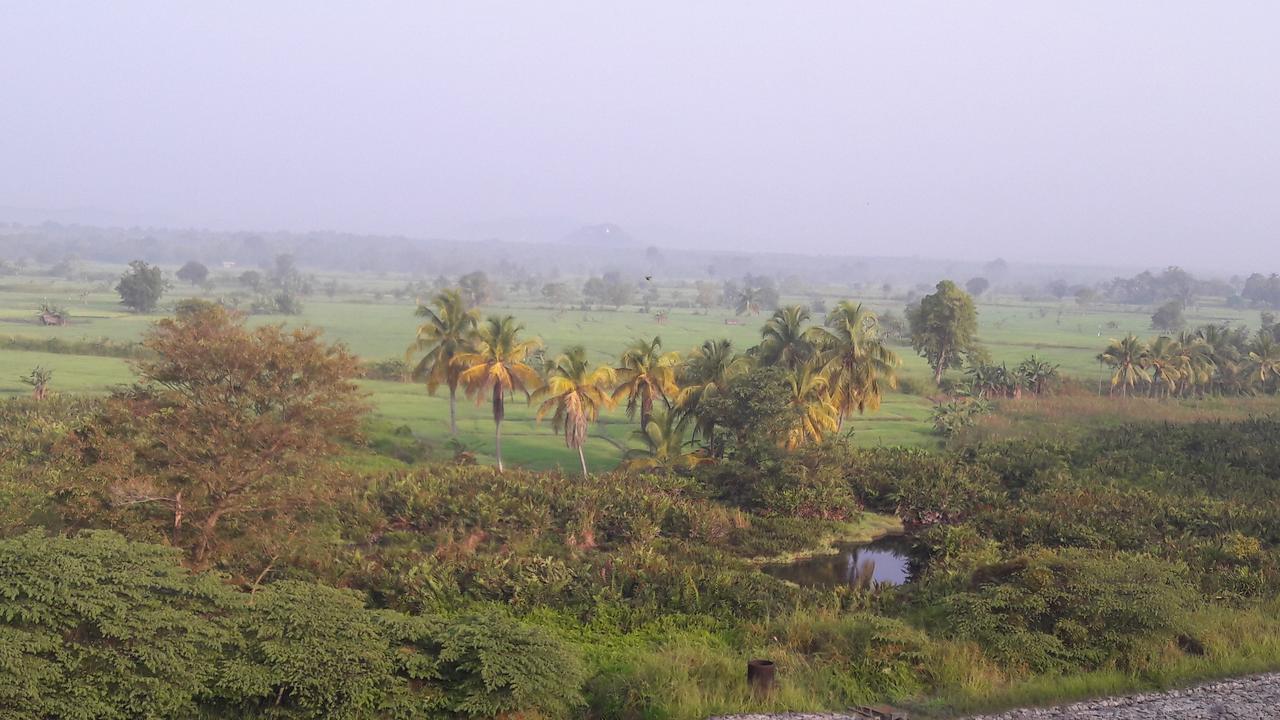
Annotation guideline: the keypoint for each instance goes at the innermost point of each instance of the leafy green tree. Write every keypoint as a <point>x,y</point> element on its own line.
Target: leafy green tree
<point>1168,317</point>
<point>574,393</point>
<point>97,627</point>
<point>476,288</point>
<point>944,327</point>
<point>193,272</point>
<point>496,365</point>
<point>141,286</point>
<point>755,409</point>
<point>977,286</point>
<point>220,442</point>
<point>446,333</point>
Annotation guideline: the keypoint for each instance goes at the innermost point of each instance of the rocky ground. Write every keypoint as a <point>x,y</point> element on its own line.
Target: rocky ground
<point>1248,698</point>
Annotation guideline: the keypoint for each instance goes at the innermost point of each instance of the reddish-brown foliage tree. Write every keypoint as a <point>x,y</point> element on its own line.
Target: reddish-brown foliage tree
<point>224,436</point>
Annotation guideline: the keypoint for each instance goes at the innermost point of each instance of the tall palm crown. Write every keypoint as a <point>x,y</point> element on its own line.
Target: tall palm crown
<point>1264,360</point>
<point>1195,362</point>
<point>784,339</point>
<point>446,333</point>
<point>574,393</point>
<point>495,366</point>
<point>813,413</point>
<point>706,373</point>
<point>1163,361</point>
<point>646,375</point>
<point>858,363</point>
<point>1127,359</point>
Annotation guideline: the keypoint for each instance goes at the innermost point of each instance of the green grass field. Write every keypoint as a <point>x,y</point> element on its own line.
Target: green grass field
<point>377,326</point>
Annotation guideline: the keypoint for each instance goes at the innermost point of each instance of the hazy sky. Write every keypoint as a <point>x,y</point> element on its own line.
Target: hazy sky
<point>1126,132</point>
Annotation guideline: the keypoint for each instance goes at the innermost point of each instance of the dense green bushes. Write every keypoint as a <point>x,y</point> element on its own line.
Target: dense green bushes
<point>639,594</point>
<point>1068,609</point>
<point>98,627</point>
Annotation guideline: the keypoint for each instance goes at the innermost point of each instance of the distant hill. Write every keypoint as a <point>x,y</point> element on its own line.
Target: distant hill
<point>602,235</point>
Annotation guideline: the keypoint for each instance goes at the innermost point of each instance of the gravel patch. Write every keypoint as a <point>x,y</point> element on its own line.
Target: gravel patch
<point>1247,698</point>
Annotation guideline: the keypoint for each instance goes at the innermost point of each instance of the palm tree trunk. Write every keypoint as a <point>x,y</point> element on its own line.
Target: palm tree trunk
<point>453,410</point>
<point>499,412</point>
<point>582,459</point>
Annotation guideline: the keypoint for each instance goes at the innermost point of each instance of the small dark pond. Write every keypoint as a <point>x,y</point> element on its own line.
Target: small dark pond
<point>887,560</point>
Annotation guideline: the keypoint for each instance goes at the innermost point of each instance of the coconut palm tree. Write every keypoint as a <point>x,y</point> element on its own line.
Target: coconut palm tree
<point>856,361</point>
<point>1195,363</point>
<point>706,373</point>
<point>1127,359</point>
<point>784,339</point>
<point>814,413</point>
<point>494,366</point>
<point>646,375</point>
<point>447,332</point>
<point>1264,360</point>
<point>664,445</point>
<point>1163,363</point>
<point>574,394</point>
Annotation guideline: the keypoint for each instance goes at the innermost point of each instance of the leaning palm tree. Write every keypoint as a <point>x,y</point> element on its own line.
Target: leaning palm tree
<point>495,367</point>
<point>646,375</point>
<point>1264,360</point>
<point>1127,359</point>
<point>813,412</point>
<point>664,445</point>
<point>447,332</point>
<point>784,339</point>
<point>858,364</point>
<point>574,394</point>
<point>706,373</point>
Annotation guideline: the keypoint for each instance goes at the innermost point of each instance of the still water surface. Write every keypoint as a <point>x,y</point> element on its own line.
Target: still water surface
<point>887,560</point>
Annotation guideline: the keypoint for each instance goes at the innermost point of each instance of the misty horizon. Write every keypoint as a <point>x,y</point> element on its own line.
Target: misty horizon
<point>1131,137</point>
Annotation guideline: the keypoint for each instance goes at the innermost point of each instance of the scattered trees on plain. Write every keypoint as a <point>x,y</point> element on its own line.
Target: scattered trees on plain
<point>141,286</point>
<point>944,327</point>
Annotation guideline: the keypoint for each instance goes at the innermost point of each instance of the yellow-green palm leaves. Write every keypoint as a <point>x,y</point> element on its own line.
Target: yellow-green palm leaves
<point>646,375</point>
<point>858,365</point>
<point>446,333</point>
<point>664,445</point>
<point>1127,359</point>
<point>1264,359</point>
<point>813,412</point>
<point>707,371</point>
<point>785,340</point>
<point>574,393</point>
<point>495,367</point>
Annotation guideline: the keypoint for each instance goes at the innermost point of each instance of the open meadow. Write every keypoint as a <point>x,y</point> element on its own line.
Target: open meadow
<point>374,317</point>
